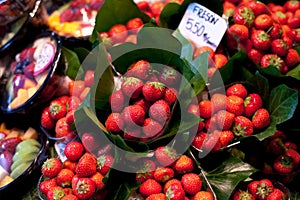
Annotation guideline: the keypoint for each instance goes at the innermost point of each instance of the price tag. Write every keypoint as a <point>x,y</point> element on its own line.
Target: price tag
<point>202,26</point>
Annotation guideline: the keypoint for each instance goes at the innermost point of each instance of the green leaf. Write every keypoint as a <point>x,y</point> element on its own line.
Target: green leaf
<point>268,131</point>
<point>169,15</point>
<point>228,175</point>
<point>271,71</point>
<point>260,85</point>
<point>125,190</point>
<point>116,12</point>
<point>295,73</point>
<point>282,104</point>
<point>74,69</point>
<point>187,50</point>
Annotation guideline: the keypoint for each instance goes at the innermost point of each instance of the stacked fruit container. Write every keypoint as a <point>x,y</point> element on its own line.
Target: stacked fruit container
<point>113,100</point>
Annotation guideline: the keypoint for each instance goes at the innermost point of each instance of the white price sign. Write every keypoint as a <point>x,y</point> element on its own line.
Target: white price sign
<point>202,26</point>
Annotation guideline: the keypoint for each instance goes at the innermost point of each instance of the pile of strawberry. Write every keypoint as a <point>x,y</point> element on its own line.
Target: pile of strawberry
<point>142,107</point>
<point>78,177</point>
<point>260,189</point>
<point>171,177</point>
<point>236,114</point>
<point>59,115</point>
<point>261,33</point>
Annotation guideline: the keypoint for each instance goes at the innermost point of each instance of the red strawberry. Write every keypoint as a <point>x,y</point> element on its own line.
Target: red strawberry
<point>63,129</point>
<point>198,140</point>
<point>235,105</point>
<point>292,58</point>
<point>159,196</point>
<point>69,197</point>
<point>64,178</point>
<point>191,183</point>
<point>276,31</point>
<point>226,137</point>
<point>255,55</point>
<point>87,165</point>
<point>46,185</point>
<point>149,187</point>
<point>237,90</point>
<point>218,102</point>
<point>239,32</point>
<point>279,47</point>
<point>163,174</point>
<point>57,109</point>
<point>146,171</point>
<point>252,103</point>
<point>132,134</point>
<point>293,22</point>
<point>211,124</point>
<point>90,142</point>
<point>224,119</point>
<point>70,117</point>
<point>55,192</point>
<point>242,126</point>
<point>263,22</point>
<point>76,87</point>
<point>294,34</point>
<point>74,150</point>
<point>152,128</point>
<point>264,188</point>
<point>257,7</point>
<point>70,165</point>
<point>290,145</point>
<point>114,123</point>
<point>134,25</point>
<point>116,101</point>
<point>51,167</point>
<point>141,70</point>
<point>166,155</point>
<point>153,91</point>
<point>104,163</point>
<point>243,15</point>
<point>284,164</point>
<point>261,119</point>
<point>171,182</point>
<point>242,195</point>
<point>133,115</point>
<point>184,165</point>
<point>261,40</point>
<point>291,6</point>
<point>211,142</point>
<point>97,179</point>
<point>294,155</point>
<point>220,60</point>
<point>89,78</point>
<point>84,188</point>
<point>74,103</point>
<point>203,195</point>
<point>252,188</point>
<point>142,102</point>
<point>174,191</point>
<point>170,96</point>
<point>274,60</point>
<point>205,109</point>
<point>160,111</point>
<point>277,194</point>
<point>275,146</point>
<point>46,119</point>
<point>118,33</point>
<point>132,87</point>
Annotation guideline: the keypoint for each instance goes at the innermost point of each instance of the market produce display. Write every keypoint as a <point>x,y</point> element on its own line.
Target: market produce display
<point>142,112</point>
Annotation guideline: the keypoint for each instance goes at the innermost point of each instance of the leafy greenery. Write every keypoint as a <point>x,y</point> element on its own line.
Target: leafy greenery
<point>73,63</point>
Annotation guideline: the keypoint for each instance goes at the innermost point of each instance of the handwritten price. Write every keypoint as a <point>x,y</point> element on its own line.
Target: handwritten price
<point>195,27</point>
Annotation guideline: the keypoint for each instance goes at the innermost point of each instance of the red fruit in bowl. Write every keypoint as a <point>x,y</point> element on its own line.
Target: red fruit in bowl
<point>57,109</point>
<point>263,22</point>
<point>199,139</point>
<point>252,103</point>
<point>226,137</point>
<point>261,40</point>
<point>87,165</point>
<point>90,142</point>
<point>132,87</point>
<point>255,55</point>
<point>292,58</point>
<point>243,15</point>
<point>143,103</point>
<point>70,117</point>
<point>133,115</point>
<point>220,60</point>
<point>89,78</point>
<point>85,188</point>
<point>143,5</point>
<point>191,183</point>
<point>64,178</point>
<point>242,126</point>
<point>51,167</point>
<point>118,33</point>
<point>276,194</point>
<point>153,91</point>
<point>261,119</point>
<point>114,123</point>
<point>132,134</point>
<point>152,128</point>
<point>150,187</point>
<point>174,191</point>
<point>235,105</point>
<point>134,25</point>
<point>284,164</point>
<point>46,185</point>
<point>218,102</point>
<point>74,150</point>
<point>160,111</point>
<point>171,96</point>
<point>142,69</point>
<point>62,128</point>
<point>274,60</point>
<point>166,155</point>
<point>257,7</point>
<point>184,164</point>
<point>291,6</point>
<point>293,22</point>
<point>237,90</point>
<point>156,8</point>
<point>239,32</point>
<point>73,103</point>
<point>56,192</point>
<point>224,119</point>
<point>163,174</point>
<point>104,163</point>
<point>240,194</point>
<point>279,47</point>
<point>169,76</point>
<point>116,101</point>
<point>279,17</point>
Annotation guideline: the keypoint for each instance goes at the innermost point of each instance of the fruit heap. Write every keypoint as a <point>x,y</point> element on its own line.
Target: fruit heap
<point>18,149</point>
<point>261,33</point>
<point>77,19</point>
<point>260,189</point>
<point>78,177</point>
<point>142,107</point>
<point>120,33</point>
<point>236,114</point>
<point>59,115</point>
<point>29,70</point>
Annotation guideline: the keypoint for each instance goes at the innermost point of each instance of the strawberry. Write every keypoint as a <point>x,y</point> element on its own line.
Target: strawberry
<point>160,111</point>
<point>294,155</point>
<point>159,196</point>
<point>70,165</point>
<point>294,34</point>
<point>166,155</point>
<point>173,181</point>
<point>132,87</point>
<point>242,126</point>
<point>149,187</point>
<point>191,183</point>
<point>133,115</point>
<point>156,8</point>
<point>263,22</point>
<point>104,163</point>
<point>252,188</point>
<point>203,195</point>
<point>70,117</point>
<point>89,78</point>
<point>170,96</point>
<point>64,178</point>
<point>279,47</point>
<point>277,194</point>
<point>46,119</point>
<point>243,15</point>
<point>76,87</point>
<point>261,119</point>
<point>291,5</point>
<point>46,185</point>
<point>169,76</point>
<point>142,102</point>
<point>293,22</point>
<point>163,174</point>
<point>292,58</point>
<point>284,164</point>
<point>152,128</point>
<point>220,60</point>
<point>57,109</point>
<point>118,33</point>
<point>69,197</point>
<point>237,90</point>
<point>224,119</point>
<point>175,192</point>
<point>97,179</point>
<point>274,60</point>
<point>153,91</point>
<point>235,105</point>
<point>84,188</point>
<point>116,101</point>
<point>62,128</point>
<point>114,123</point>
<point>228,8</point>
<point>255,55</point>
<point>134,25</point>
<point>290,145</point>
<point>133,134</point>
<point>211,141</point>
<point>252,103</point>
<point>211,124</point>
<point>146,171</point>
<point>276,31</point>
<point>198,140</point>
<point>74,150</point>
<point>55,192</point>
<point>226,137</point>
<point>242,195</point>
<point>74,103</point>
<point>261,40</point>
<point>51,167</point>
<point>87,165</point>
<point>184,164</point>
<point>90,142</point>
<point>257,7</point>
<point>275,146</point>
<point>264,188</point>
<point>205,109</point>
<point>141,70</point>
<point>218,102</point>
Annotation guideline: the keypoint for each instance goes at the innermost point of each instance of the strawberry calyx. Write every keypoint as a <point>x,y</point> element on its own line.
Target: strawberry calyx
<point>263,190</point>
<point>82,187</point>
<point>169,193</point>
<point>171,153</point>
<point>275,61</point>
<point>244,195</point>
<point>158,85</point>
<point>48,164</point>
<point>248,15</point>
<point>55,108</point>
<point>263,36</point>
<point>131,80</point>
<point>58,193</point>
<point>280,14</point>
<point>286,161</point>
<point>240,130</point>
<point>247,101</point>
<point>101,161</point>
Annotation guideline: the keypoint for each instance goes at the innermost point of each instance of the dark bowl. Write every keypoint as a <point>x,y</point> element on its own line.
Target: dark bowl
<point>52,83</point>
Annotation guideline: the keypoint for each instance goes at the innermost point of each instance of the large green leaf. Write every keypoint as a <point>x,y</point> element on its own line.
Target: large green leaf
<point>116,12</point>
<point>169,15</point>
<point>295,73</point>
<point>228,175</point>
<point>260,85</point>
<point>187,50</point>
<point>74,68</point>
